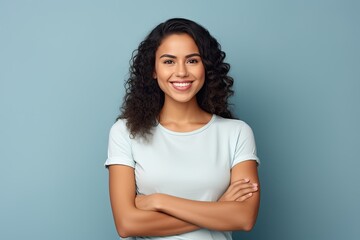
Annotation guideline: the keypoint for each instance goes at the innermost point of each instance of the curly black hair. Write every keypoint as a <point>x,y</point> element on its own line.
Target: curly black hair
<point>144,99</point>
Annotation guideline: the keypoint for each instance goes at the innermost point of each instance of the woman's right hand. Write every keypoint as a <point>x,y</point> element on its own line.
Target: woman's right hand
<point>239,191</point>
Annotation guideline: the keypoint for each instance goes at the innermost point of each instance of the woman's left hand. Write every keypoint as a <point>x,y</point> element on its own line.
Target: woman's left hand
<point>147,202</point>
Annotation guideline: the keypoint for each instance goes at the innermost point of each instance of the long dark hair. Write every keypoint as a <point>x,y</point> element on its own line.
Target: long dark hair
<point>144,98</point>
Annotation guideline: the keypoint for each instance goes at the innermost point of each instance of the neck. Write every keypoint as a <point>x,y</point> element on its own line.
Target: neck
<point>173,111</point>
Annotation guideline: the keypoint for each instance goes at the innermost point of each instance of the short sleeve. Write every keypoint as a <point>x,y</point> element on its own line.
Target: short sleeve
<point>119,148</point>
<point>245,146</point>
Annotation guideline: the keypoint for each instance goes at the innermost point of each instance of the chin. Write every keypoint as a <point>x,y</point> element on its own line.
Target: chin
<point>182,99</point>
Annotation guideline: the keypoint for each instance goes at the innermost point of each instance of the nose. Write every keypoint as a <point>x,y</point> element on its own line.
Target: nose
<point>181,70</point>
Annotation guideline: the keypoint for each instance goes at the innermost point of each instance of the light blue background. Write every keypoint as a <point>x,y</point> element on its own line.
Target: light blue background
<point>62,66</point>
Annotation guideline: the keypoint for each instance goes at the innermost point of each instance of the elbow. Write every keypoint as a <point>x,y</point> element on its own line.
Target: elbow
<point>248,221</point>
<point>238,224</point>
<point>125,229</point>
<point>247,227</point>
<point>128,224</point>
<point>243,225</point>
<point>247,224</point>
<point>123,232</point>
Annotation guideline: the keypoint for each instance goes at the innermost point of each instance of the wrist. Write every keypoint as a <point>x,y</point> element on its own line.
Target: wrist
<point>159,201</point>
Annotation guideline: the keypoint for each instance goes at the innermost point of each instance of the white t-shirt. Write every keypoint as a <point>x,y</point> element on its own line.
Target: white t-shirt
<point>193,165</point>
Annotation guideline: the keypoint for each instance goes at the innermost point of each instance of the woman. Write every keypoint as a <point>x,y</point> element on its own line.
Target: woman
<point>179,165</point>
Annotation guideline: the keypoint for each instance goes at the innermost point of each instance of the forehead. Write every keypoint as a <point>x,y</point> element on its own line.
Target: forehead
<point>177,44</point>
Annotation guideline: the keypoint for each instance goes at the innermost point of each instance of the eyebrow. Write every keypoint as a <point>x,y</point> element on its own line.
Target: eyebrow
<point>187,56</point>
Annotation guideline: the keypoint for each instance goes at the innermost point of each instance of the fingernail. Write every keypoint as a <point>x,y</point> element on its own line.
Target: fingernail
<point>255,184</point>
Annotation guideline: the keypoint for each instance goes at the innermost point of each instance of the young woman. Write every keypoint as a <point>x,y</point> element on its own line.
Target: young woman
<point>180,166</point>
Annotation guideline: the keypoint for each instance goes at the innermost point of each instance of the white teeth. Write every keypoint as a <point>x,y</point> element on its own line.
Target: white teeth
<point>178,84</point>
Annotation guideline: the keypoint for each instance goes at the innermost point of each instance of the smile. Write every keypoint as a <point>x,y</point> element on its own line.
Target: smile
<point>181,86</point>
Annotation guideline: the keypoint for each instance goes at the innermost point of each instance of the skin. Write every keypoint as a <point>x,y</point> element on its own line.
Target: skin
<point>178,60</point>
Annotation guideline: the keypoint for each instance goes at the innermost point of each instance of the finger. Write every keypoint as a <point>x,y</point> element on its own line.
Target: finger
<point>250,188</point>
<point>235,188</point>
<point>244,197</point>
<point>245,185</point>
<point>244,180</point>
<point>237,184</point>
<point>237,193</point>
<point>241,182</point>
<point>245,191</point>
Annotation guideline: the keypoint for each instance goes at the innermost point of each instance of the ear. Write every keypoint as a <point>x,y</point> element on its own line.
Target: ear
<point>154,75</point>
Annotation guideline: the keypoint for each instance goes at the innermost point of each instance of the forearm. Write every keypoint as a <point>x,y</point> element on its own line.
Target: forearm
<point>130,220</point>
<point>221,216</point>
<point>150,223</point>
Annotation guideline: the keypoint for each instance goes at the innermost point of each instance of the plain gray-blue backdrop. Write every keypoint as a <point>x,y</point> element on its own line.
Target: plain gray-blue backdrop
<point>296,66</point>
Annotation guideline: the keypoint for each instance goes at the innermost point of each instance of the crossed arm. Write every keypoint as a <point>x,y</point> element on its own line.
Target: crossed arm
<point>162,215</point>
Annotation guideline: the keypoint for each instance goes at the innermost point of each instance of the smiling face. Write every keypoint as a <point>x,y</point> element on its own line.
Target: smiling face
<point>178,68</point>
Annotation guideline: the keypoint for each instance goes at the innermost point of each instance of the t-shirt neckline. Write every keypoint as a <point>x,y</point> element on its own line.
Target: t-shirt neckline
<point>213,117</point>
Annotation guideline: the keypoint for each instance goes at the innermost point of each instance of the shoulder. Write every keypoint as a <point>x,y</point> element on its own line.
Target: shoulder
<point>120,124</point>
<point>231,124</point>
<point>234,128</point>
<point>119,128</point>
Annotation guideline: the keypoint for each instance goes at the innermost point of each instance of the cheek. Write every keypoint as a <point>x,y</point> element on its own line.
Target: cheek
<point>162,73</point>
<point>162,84</point>
<point>201,74</point>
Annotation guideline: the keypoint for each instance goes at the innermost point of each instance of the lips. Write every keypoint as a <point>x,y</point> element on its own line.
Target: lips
<point>181,86</point>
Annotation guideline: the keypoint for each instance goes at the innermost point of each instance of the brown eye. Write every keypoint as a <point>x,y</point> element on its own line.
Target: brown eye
<point>192,61</point>
<point>168,61</point>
